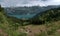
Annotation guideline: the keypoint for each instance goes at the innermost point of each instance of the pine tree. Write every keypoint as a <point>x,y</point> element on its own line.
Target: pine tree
<point>0,7</point>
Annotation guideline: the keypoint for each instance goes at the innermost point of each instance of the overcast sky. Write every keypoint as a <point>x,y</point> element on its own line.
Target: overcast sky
<point>7,3</point>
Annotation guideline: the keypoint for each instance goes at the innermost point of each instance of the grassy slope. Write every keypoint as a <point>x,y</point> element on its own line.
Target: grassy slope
<point>51,22</point>
<point>48,29</point>
<point>8,27</point>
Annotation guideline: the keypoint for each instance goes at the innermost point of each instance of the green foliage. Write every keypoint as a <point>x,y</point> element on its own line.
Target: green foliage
<point>1,9</point>
<point>47,16</point>
<point>10,25</point>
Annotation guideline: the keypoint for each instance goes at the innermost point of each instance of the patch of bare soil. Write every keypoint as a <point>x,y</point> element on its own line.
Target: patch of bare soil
<point>2,33</point>
<point>33,30</point>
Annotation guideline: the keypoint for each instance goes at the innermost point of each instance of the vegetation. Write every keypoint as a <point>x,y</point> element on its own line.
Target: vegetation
<point>47,16</point>
<point>9,26</point>
<point>50,20</point>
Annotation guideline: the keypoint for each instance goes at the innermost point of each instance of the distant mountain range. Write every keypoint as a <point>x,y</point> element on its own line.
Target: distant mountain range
<point>27,12</point>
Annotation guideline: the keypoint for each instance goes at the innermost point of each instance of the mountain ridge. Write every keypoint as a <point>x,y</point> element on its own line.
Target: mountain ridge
<point>47,16</point>
<point>27,11</point>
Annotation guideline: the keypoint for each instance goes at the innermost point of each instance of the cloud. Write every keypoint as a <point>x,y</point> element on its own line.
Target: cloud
<point>7,3</point>
<point>32,3</point>
<point>53,2</point>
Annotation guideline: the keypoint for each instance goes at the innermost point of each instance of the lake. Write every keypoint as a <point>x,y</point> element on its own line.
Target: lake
<point>26,16</point>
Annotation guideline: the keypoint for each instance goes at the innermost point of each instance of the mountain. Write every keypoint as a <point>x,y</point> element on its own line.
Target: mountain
<point>47,16</point>
<point>50,20</point>
<point>38,16</point>
<point>27,12</point>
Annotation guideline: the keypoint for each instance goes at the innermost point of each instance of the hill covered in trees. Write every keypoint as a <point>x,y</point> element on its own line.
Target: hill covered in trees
<point>47,16</point>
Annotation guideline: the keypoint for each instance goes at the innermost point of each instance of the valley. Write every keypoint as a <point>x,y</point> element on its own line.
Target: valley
<point>45,23</point>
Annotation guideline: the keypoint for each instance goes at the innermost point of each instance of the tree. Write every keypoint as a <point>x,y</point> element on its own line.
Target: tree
<point>0,7</point>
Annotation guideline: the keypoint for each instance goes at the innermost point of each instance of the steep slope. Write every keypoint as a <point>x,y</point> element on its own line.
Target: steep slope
<point>47,16</point>
<point>9,25</point>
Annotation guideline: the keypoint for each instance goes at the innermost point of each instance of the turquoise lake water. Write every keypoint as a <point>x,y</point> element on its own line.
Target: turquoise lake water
<point>23,16</point>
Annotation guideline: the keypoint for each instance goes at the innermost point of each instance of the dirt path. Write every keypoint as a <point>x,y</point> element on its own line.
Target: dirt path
<point>33,30</point>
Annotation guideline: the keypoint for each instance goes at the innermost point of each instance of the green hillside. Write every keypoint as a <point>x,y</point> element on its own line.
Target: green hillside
<point>9,25</point>
<point>50,20</point>
<point>47,16</point>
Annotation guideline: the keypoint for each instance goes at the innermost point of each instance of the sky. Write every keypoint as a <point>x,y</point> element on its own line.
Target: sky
<point>16,3</point>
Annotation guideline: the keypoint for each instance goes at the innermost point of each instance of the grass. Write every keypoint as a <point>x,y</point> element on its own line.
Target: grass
<point>14,29</point>
<point>47,29</point>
